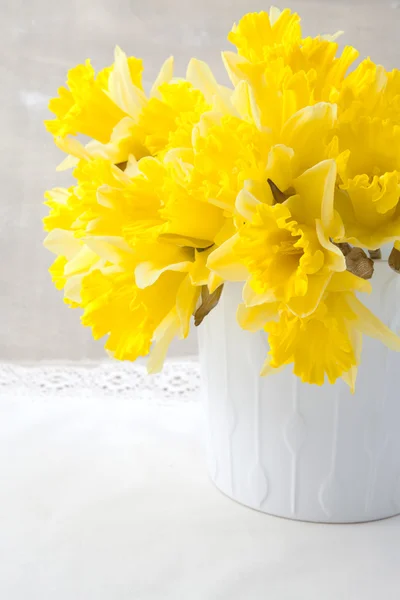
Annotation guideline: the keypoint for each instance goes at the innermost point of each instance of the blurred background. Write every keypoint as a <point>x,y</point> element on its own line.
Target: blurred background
<point>39,41</point>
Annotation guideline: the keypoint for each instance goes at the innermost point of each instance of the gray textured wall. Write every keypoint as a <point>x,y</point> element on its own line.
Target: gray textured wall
<point>39,41</point>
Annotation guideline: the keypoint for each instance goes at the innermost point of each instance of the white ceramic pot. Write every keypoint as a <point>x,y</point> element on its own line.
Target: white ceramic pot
<point>296,450</point>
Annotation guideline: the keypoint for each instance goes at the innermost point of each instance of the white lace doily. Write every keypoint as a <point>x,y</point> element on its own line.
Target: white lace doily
<point>179,380</point>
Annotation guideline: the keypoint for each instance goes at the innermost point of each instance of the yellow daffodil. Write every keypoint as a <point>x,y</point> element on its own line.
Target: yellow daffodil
<point>228,150</point>
<point>114,261</point>
<point>327,343</point>
<point>270,46</point>
<point>369,91</point>
<point>188,220</point>
<point>104,203</point>
<point>369,170</point>
<point>106,108</point>
<point>285,247</point>
<point>85,107</point>
<point>262,37</point>
<point>134,318</point>
<point>360,92</point>
<point>103,108</point>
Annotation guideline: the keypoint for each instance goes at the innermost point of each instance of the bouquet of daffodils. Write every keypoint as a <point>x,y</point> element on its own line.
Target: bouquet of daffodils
<point>288,181</point>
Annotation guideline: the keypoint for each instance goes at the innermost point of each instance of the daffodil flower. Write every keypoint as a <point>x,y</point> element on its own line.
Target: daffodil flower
<point>115,112</point>
<point>114,262</point>
<point>137,319</point>
<point>325,345</point>
<point>271,47</point>
<point>283,249</point>
<point>369,170</point>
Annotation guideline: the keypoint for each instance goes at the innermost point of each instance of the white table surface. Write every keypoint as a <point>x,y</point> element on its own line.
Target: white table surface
<point>104,494</point>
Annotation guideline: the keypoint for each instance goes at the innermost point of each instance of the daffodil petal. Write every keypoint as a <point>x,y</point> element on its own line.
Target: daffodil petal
<point>122,90</point>
<point>186,300</point>
<point>274,14</point>
<point>124,141</point>
<point>214,282</point>
<point>201,77</point>
<point>181,240</point>
<point>346,282</point>
<point>246,204</point>
<point>62,242</point>
<point>232,63</point>
<point>254,318</point>
<point>350,376</point>
<point>371,325</point>
<point>69,162</point>
<point>72,288</point>
<point>279,166</point>
<point>306,132</point>
<point>267,369</point>
<point>146,273</point>
<point>245,103</point>
<point>252,298</point>
<point>112,248</point>
<point>164,76</point>
<point>317,186</point>
<point>225,263</point>
<point>303,306</point>
<point>199,272</point>
<point>71,146</point>
<point>81,262</point>
<point>334,259</point>
<point>163,336</point>
<point>132,167</point>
